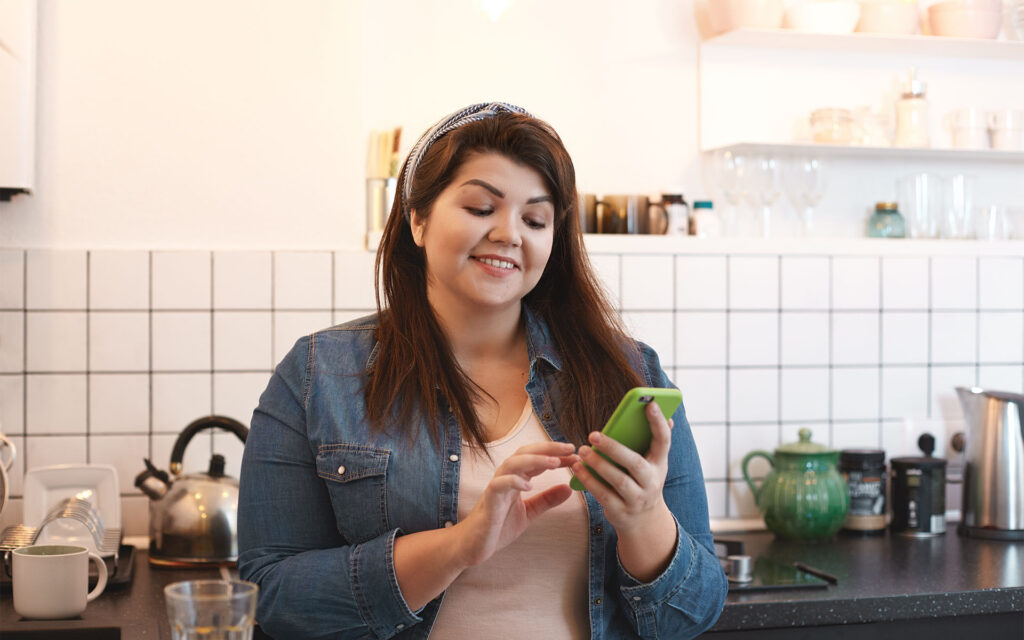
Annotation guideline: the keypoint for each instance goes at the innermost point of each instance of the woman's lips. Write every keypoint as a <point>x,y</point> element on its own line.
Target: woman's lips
<point>495,265</point>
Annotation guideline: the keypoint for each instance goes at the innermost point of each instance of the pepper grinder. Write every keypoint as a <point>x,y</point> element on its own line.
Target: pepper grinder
<point>912,114</point>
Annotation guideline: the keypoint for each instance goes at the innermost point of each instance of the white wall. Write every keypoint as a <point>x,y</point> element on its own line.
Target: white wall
<point>243,124</point>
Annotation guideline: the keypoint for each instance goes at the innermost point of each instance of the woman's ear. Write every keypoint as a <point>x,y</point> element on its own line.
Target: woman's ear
<point>417,225</point>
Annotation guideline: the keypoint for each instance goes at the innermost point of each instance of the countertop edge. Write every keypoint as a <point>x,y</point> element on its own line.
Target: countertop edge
<point>802,613</point>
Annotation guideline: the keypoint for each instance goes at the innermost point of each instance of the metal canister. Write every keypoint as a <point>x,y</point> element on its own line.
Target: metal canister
<point>864,471</point>
<point>918,496</point>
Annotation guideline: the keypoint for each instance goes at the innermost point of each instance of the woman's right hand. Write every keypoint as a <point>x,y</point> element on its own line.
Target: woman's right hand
<point>502,515</point>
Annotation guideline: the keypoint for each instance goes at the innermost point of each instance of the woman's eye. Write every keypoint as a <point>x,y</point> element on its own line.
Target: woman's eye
<point>479,212</point>
<point>535,224</point>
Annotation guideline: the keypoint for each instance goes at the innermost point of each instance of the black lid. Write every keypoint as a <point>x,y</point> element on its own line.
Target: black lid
<point>910,462</point>
<point>865,457</point>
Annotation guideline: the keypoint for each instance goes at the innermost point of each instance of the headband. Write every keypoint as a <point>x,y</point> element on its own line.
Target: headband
<point>472,113</point>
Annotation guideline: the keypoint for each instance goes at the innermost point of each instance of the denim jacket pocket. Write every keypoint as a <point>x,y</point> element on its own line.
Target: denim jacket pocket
<point>355,477</point>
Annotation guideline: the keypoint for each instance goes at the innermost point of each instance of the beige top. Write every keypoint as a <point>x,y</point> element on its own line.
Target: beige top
<point>537,586</point>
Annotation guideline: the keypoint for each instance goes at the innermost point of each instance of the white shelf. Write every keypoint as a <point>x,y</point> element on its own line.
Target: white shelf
<point>937,46</point>
<point>687,245</point>
<point>874,153</point>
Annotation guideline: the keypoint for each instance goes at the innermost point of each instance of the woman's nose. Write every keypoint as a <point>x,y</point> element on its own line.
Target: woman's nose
<point>505,230</point>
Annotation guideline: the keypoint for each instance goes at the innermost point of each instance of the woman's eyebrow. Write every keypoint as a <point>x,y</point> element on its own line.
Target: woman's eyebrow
<point>496,191</point>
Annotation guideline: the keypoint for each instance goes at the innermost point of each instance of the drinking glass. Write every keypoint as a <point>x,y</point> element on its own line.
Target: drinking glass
<point>728,171</point>
<point>765,188</point>
<point>991,222</point>
<point>211,609</point>
<point>805,184</point>
<point>956,209</point>
<point>921,198</point>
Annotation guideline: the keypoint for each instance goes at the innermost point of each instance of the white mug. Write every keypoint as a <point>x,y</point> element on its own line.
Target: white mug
<point>52,581</point>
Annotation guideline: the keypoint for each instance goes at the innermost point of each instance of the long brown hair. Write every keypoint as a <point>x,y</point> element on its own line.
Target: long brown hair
<point>415,366</point>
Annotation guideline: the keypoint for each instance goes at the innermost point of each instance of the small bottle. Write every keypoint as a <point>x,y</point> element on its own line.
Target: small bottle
<point>704,223</point>
<point>912,114</point>
<point>886,222</point>
<point>678,213</point>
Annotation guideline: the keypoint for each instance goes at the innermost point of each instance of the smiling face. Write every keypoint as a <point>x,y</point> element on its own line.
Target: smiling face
<point>488,236</point>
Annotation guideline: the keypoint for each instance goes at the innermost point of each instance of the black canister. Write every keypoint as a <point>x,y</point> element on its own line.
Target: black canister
<point>918,496</point>
<point>864,471</point>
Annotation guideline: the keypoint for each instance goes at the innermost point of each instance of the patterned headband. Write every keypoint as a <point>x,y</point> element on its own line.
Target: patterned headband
<point>472,113</point>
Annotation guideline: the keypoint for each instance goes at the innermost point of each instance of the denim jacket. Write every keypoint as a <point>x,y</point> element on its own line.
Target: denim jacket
<point>322,500</point>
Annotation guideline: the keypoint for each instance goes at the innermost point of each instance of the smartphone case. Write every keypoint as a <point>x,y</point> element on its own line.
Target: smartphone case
<point>628,423</point>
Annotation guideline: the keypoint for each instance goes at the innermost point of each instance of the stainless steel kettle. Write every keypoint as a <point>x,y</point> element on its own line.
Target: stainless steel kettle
<point>193,519</point>
<point>993,481</point>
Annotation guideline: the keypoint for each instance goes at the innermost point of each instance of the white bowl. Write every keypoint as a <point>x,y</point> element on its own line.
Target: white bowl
<point>824,16</point>
<point>889,16</point>
<point>727,15</point>
<point>964,23</point>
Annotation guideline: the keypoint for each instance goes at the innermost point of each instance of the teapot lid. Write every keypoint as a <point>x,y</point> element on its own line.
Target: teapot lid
<point>804,446</point>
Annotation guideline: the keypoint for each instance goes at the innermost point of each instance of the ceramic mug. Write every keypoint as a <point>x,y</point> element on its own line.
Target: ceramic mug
<point>52,581</point>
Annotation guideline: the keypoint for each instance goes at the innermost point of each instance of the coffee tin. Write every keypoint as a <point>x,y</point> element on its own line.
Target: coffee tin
<point>864,471</point>
<point>918,496</point>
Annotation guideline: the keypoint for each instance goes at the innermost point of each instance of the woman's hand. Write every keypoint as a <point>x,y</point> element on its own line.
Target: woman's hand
<point>502,515</point>
<point>632,496</point>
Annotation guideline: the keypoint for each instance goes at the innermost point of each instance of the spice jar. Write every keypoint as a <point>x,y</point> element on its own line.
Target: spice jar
<point>833,126</point>
<point>886,222</point>
<point>864,471</point>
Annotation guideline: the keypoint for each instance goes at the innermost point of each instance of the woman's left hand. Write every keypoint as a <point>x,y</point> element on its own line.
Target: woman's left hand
<point>631,496</point>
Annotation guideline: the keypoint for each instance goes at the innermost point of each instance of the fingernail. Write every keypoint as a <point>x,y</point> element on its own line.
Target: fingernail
<point>596,436</point>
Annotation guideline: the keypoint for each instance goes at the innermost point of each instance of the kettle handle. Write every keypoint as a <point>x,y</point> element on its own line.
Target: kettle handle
<point>202,424</point>
<point>746,476</point>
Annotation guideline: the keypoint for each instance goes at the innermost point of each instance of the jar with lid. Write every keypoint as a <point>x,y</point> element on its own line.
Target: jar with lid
<point>864,471</point>
<point>886,222</point>
<point>704,223</point>
<point>832,126</point>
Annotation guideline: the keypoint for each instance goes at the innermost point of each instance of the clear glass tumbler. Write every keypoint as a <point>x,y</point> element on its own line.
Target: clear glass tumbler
<point>211,609</point>
<point>922,198</point>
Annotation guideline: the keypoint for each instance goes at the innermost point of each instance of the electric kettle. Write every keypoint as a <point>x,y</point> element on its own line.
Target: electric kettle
<point>193,519</point>
<point>993,479</point>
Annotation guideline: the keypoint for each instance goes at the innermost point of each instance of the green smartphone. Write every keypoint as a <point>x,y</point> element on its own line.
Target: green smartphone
<point>629,424</point>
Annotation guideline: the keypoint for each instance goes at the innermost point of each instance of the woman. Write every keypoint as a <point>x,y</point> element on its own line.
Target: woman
<point>406,474</point>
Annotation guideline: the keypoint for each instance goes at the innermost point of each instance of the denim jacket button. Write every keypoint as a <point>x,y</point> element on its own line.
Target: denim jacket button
<point>400,626</point>
<point>546,416</point>
<point>453,458</point>
<point>448,523</point>
<point>597,601</point>
<point>341,470</point>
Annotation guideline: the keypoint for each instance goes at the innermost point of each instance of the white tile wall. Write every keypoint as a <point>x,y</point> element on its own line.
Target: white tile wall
<point>106,355</point>
<point>119,280</point>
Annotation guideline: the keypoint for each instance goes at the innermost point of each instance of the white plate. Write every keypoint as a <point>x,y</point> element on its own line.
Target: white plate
<point>45,487</point>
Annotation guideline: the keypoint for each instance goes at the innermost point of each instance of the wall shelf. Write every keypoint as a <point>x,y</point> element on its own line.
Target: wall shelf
<point>873,153</point>
<point>922,45</point>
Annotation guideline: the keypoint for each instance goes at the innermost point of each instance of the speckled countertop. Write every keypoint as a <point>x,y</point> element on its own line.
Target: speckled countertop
<point>882,579</point>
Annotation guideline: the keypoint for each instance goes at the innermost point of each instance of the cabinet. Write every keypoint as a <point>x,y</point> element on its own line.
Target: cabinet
<point>18,28</point>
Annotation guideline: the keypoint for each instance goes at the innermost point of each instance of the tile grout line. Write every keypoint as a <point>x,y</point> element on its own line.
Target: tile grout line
<point>88,359</point>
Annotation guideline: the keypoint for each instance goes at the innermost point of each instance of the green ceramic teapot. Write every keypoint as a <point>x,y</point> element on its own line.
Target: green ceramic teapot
<point>803,497</point>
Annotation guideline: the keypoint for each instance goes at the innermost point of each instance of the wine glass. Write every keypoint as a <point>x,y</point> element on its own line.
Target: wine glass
<point>765,181</point>
<point>727,171</point>
<point>805,185</point>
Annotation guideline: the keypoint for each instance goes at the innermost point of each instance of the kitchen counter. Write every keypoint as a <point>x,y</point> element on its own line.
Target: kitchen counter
<point>886,585</point>
<point>126,611</point>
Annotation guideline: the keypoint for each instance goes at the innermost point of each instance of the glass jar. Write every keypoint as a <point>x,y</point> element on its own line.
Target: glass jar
<point>864,471</point>
<point>886,222</point>
<point>832,126</point>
